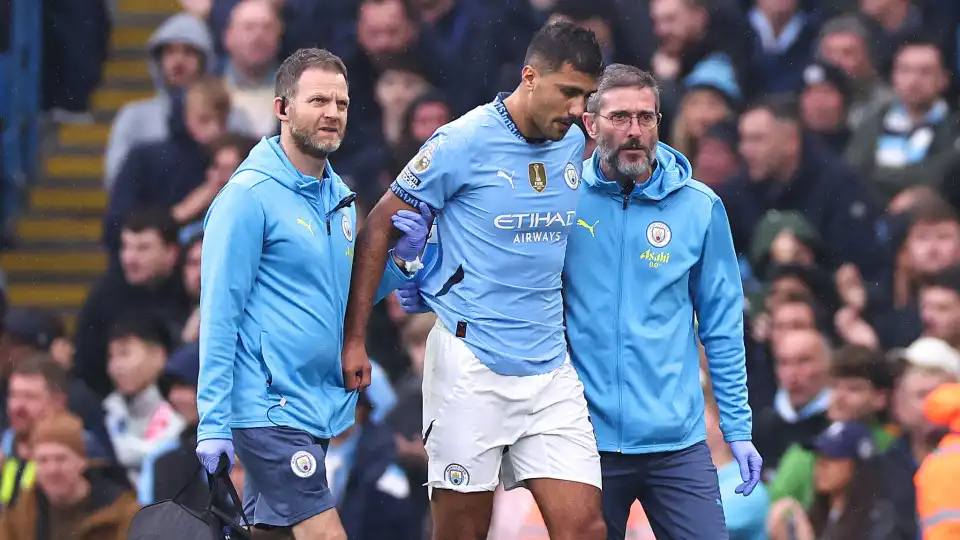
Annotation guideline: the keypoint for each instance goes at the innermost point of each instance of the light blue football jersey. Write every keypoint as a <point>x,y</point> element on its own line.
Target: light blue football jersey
<point>505,206</point>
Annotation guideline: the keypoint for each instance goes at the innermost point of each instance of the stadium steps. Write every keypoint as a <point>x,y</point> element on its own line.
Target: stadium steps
<point>58,255</point>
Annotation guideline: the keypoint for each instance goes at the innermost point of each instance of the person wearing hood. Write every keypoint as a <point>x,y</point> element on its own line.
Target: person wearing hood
<point>163,173</point>
<point>181,51</point>
<point>277,257</point>
<point>641,373</point>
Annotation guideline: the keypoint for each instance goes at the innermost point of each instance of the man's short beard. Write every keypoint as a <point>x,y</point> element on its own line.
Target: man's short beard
<point>314,149</point>
<point>611,157</point>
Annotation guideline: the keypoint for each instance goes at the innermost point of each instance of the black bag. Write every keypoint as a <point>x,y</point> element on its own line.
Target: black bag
<point>170,519</point>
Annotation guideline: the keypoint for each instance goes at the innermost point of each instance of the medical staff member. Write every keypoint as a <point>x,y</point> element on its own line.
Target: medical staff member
<point>652,247</point>
<point>276,262</point>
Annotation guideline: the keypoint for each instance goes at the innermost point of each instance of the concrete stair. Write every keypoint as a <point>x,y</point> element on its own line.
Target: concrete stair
<point>58,255</point>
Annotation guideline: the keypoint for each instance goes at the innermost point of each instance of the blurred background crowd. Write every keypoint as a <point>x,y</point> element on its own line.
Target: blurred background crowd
<point>830,129</point>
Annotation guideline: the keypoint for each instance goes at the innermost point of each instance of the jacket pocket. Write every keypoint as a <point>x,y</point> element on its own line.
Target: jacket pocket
<point>270,365</point>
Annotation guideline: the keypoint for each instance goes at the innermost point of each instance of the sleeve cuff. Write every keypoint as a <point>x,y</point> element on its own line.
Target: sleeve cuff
<point>737,437</point>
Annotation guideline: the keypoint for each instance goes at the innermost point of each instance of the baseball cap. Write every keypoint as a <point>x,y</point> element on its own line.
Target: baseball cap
<point>845,440</point>
<point>823,73</point>
<point>930,353</point>
<point>34,327</point>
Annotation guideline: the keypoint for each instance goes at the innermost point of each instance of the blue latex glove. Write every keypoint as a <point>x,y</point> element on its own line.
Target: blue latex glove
<point>415,228</point>
<point>750,464</point>
<point>410,300</point>
<point>210,450</point>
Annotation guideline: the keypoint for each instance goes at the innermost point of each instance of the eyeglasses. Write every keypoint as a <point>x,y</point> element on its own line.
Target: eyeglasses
<point>622,121</point>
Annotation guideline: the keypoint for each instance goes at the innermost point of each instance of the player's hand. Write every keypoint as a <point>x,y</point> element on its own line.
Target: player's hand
<point>415,227</point>
<point>210,450</point>
<point>410,300</point>
<point>750,464</point>
<point>356,366</point>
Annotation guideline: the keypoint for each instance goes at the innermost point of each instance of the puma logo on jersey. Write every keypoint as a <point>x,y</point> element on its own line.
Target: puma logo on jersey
<point>309,226</point>
<point>587,226</point>
<point>508,177</point>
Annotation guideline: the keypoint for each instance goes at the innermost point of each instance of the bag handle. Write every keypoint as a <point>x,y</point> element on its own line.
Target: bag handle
<point>221,479</point>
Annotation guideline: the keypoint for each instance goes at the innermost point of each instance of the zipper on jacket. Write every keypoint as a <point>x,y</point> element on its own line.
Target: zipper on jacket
<point>344,202</point>
<point>626,203</point>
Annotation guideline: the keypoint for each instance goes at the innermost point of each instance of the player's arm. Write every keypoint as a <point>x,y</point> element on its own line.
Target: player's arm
<point>233,234</point>
<point>717,295</point>
<point>428,178</point>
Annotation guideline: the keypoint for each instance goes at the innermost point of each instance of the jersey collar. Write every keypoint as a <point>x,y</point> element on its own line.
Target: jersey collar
<point>511,125</point>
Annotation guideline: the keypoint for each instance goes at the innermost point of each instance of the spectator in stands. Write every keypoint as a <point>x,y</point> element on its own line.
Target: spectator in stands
<point>37,390</point>
<point>191,284</point>
<point>892,317</point>
<point>594,15</point>
<point>716,159</point>
<point>71,499</point>
<point>914,140</point>
<point>937,495</point>
<point>798,414</point>
<point>252,42</point>
<point>363,474</point>
<point>75,37</point>
<point>745,516</point>
<point>845,42</point>
<point>164,173</point>
<point>848,503</point>
<point>147,280</point>
<point>29,332</point>
<point>423,116</point>
<point>397,87</point>
<point>860,383</point>
<point>712,95</point>
<point>921,375</point>
<point>406,419</point>
<point>824,98</point>
<point>181,51</point>
<point>940,306</point>
<point>895,22</point>
<point>172,468</point>
<point>226,153</point>
<point>138,418</point>
<point>786,169</point>
<point>786,36</point>
<point>689,33</point>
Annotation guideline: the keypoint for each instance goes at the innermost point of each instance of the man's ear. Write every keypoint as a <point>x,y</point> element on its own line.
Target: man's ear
<point>280,108</point>
<point>590,124</point>
<point>528,77</point>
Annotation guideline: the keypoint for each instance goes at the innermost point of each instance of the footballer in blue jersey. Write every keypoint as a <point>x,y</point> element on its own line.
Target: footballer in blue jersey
<point>502,402</point>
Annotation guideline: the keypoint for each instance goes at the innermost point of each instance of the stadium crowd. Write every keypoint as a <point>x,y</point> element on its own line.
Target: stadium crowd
<point>829,128</point>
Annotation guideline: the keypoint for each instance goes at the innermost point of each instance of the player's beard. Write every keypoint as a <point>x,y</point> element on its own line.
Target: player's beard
<point>306,141</point>
<point>610,155</point>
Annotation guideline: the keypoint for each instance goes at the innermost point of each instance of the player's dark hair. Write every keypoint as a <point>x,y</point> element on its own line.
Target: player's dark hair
<point>562,43</point>
<point>290,71</point>
<point>855,361</point>
<point>45,366</point>
<point>622,76</point>
<point>144,325</point>
<point>156,219</point>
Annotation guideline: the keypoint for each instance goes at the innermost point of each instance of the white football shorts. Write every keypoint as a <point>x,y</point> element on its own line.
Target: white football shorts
<point>482,429</point>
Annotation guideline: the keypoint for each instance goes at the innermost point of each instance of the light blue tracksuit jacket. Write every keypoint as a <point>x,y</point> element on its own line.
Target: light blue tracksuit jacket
<point>277,256</point>
<point>639,268</point>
